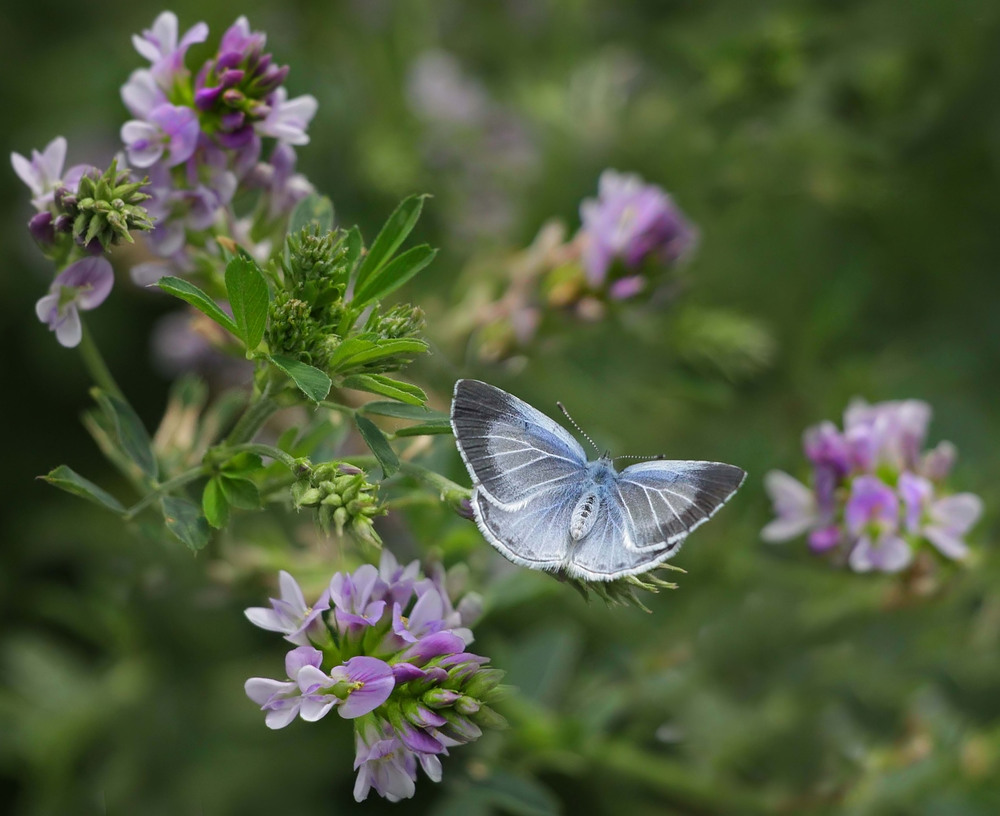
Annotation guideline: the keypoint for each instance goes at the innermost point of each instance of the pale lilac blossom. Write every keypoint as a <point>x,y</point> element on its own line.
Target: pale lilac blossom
<point>84,284</point>
<point>160,45</point>
<point>875,494</point>
<point>630,222</point>
<point>169,129</point>
<point>43,172</point>
<point>290,614</point>
<point>288,118</point>
<point>282,700</point>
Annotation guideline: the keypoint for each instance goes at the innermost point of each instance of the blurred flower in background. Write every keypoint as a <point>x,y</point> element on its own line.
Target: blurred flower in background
<point>876,496</point>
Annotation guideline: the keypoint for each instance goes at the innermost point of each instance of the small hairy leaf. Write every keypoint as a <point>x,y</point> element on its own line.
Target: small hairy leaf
<point>379,445</point>
<point>311,381</point>
<point>386,387</point>
<point>190,293</point>
<point>186,522</point>
<point>249,296</point>
<point>67,479</point>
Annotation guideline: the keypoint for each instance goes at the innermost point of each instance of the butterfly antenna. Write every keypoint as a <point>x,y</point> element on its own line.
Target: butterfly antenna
<point>582,432</point>
<point>631,456</point>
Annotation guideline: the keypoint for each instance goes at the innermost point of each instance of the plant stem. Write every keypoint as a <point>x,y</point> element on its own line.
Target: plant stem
<point>696,794</point>
<point>253,418</point>
<point>449,490</point>
<point>95,364</point>
<point>270,451</point>
<point>165,487</point>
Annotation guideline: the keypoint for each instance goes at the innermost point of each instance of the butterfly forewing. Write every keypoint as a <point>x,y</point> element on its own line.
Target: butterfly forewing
<point>512,450</point>
<point>663,501</point>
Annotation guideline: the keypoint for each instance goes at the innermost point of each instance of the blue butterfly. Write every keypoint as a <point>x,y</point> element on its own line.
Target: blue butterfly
<point>543,505</point>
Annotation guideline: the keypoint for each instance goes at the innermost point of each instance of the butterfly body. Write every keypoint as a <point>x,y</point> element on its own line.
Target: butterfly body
<point>542,504</point>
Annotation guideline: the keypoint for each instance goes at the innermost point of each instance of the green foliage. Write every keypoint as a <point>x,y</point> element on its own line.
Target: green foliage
<point>67,479</point>
<point>190,293</point>
<point>311,381</point>
<point>249,298</point>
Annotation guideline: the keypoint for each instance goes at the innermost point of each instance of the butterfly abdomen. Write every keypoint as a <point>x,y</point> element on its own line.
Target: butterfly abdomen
<point>584,515</point>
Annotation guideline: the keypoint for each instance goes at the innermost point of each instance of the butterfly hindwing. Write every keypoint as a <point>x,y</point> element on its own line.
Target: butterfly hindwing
<point>512,451</point>
<point>663,501</point>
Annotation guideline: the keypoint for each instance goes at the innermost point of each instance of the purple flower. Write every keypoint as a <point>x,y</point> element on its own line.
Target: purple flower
<point>288,118</point>
<point>43,173</point>
<point>290,614</point>
<point>385,764</point>
<point>283,186</point>
<point>886,433</point>
<point>357,598</point>
<point>357,687</point>
<point>82,285</point>
<point>631,221</point>
<point>872,517</point>
<point>938,462</point>
<point>794,505</point>
<point>283,700</point>
<point>160,46</point>
<point>141,94</point>
<point>942,521</point>
<point>169,129</point>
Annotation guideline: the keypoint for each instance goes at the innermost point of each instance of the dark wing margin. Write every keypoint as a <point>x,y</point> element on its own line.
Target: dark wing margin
<point>664,501</point>
<point>511,450</point>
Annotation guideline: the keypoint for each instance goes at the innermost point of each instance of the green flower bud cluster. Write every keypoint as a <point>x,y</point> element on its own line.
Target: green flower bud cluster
<point>315,265</point>
<point>105,207</point>
<point>464,699</point>
<point>343,498</point>
<point>402,320</point>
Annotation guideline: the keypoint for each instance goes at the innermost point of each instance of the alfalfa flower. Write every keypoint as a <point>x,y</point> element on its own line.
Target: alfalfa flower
<point>393,660</point>
<point>629,224</point>
<point>82,285</point>
<point>875,497</point>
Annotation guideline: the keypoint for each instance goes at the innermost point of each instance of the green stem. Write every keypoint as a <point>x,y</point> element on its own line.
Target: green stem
<point>676,783</point>
<point>95,364</point>
<point>166,487</point>
<point>256,414</point>
<point>279,455</point>
<point>449,490</point>
<point>336,406</point>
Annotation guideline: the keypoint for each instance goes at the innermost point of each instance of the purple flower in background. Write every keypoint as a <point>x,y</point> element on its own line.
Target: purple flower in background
<point>875,496</point>
<point>403,678</point>
<point>282,185</point>
<point>141,94</point>
<point>159,44</point>
<point>43,172</point>
<point>82,285</point>
<point>288,119</point>
<point>630,221</point>
<point>168,129</point>
<point>290,614</point>
<point>872,517</point>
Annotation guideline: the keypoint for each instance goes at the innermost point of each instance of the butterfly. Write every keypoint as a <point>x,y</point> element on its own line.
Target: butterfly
<point>542,504</point>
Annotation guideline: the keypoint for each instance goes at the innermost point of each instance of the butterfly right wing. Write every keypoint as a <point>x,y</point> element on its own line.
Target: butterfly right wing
<point>512,451</point>
<point>663,501</point>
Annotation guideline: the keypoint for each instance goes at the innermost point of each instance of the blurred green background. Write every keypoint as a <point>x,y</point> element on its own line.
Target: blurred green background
<point>841,160</point>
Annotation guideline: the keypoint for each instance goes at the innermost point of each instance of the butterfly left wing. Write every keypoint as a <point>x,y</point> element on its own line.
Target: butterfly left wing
<point>511,450</point>
<point>663,501</point>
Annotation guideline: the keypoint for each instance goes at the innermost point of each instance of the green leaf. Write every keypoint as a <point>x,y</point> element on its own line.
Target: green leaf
<point>311,381</point>
<point>190,293</point>
<point>186,522</point>
<point>67,479</point>
<point>132,435</point>
<point>386,387</point>
<point>249,296</point>
<point>355,244</point>
<point>394,274</point>
<point>358,351</point>
<point>402,411</point>
<point>425,429</point>
<point>313,209</point>
<point>214,504</point>
<point>241,493</point>
<point>243,463</point>
<point>399,225</point>
<point>375,439</point>
<point>520,795</point>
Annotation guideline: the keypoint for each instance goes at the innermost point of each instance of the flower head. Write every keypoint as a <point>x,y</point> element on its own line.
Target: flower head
<point>391,664</point>
<point>160,45</point>
<point>168,129</point>
<point>82,285</point>
<point>875,495</point>
<point>630,222</point>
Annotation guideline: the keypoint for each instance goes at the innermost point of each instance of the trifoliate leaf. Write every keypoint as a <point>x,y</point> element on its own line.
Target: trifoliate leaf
<point>190,293</point>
